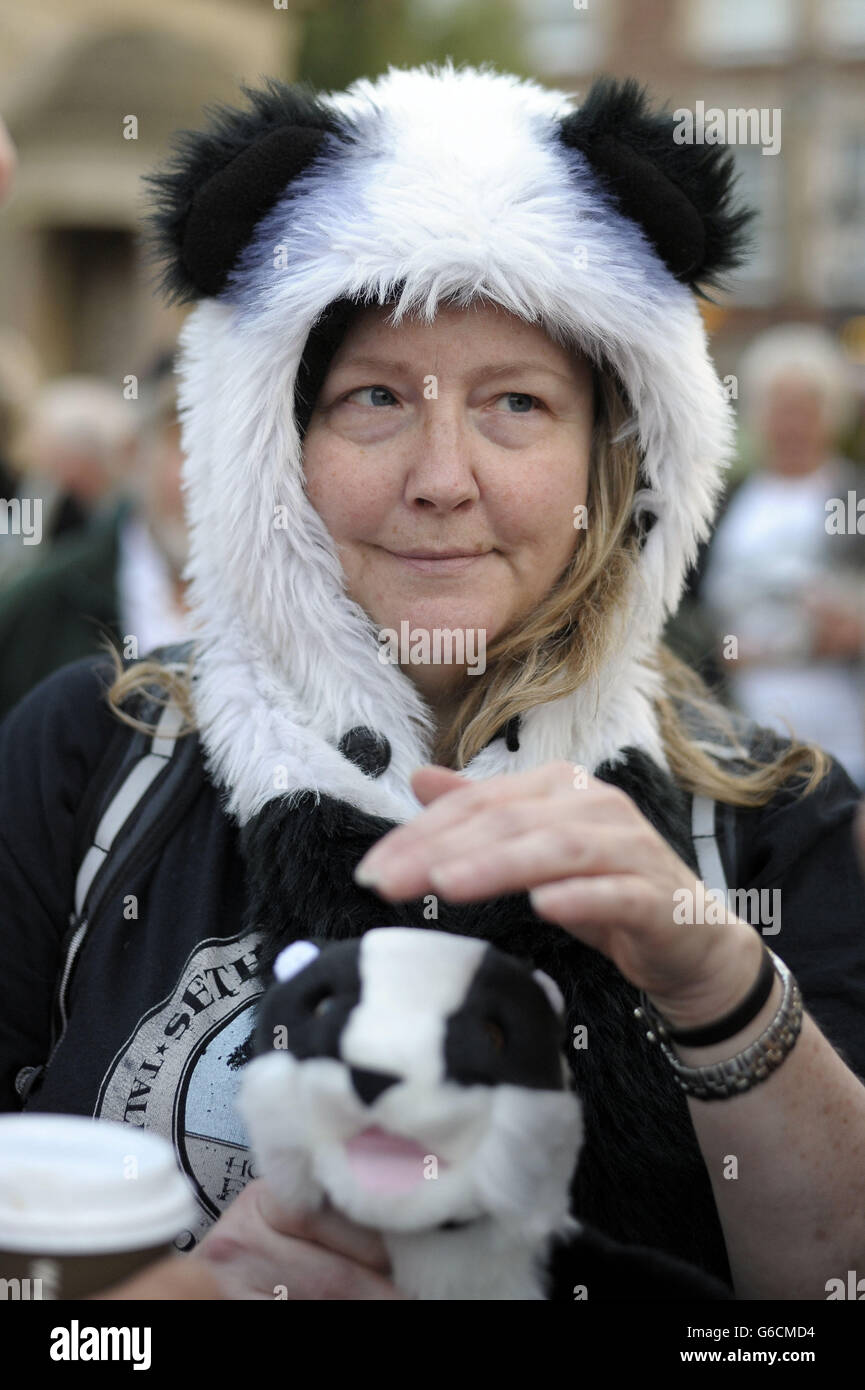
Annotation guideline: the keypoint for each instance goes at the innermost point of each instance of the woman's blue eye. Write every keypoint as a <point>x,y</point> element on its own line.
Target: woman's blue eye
<point>519,396</point>
<point>374,388</point>
<point>522,396</point>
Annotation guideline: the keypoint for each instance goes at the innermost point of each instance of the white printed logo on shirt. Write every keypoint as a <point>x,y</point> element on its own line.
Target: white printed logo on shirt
<point>179,1072</point>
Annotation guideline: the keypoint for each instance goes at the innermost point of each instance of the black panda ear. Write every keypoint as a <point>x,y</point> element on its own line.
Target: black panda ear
<point>219,183</point>
<point>680,194</point>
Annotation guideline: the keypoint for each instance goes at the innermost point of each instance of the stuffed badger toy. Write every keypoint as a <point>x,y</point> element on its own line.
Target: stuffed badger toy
<point>416,1080</point>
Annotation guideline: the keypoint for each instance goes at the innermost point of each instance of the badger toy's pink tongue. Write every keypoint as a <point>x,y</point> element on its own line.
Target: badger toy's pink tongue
<point>383,1162</point>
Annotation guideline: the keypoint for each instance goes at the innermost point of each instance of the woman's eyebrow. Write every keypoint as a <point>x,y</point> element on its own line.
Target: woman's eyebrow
<point>484,373</point>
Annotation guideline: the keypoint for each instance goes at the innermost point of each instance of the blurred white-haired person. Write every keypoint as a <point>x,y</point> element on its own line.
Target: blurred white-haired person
<point>8,160</point>
<point>74,450</point>
<point>20,377</point>
<point>121,576</point>
<point>785,576</point>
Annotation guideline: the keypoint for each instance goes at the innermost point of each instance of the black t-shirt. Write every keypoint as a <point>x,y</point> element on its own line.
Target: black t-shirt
<point>164,991</point>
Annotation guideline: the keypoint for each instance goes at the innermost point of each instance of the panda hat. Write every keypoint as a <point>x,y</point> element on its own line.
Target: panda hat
<point>422,185</point>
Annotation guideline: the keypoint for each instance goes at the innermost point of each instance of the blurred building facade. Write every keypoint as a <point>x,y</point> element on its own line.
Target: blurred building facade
<point>73,73</point>
<point>805,58</point>
<point>91,92</point>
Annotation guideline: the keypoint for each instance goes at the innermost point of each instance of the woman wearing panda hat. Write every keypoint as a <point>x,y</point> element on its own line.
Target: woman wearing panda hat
<point>447,380</point>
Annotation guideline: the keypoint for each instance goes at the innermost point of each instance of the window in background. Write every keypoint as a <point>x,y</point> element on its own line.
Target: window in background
<point>740,32</point>
<point>562,39</point>
<point>841,26</point>
<point>761,186</point>
<point>437,9</point>
<point>841,246</point>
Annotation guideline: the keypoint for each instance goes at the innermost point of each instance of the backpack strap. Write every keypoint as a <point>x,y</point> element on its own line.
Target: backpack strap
<point>713,823</point>
<point>132,790</point>
<point>148,782</point>
<point>709,860</point>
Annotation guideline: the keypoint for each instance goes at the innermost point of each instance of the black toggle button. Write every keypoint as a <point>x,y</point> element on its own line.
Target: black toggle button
<point>510,732</point>
<point>367,749</point>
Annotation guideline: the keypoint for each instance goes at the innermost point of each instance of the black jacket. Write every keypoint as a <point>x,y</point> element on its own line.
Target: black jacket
<point>58,612</point>
<point>163,996</point>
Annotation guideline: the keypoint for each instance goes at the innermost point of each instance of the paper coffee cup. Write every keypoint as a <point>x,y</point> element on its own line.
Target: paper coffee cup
<point>83,1204</point>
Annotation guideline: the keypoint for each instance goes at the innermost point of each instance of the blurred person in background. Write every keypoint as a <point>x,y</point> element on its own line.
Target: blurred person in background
<point>153,540</point>
<point>20,375</point>
<point>19,378</point>
<point>778,577</point>
<point>122,576</point>
<point>74,448</point>
<point>8,160</point>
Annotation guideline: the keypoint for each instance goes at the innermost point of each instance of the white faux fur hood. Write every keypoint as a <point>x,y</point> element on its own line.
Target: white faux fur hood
<point>423,183</point>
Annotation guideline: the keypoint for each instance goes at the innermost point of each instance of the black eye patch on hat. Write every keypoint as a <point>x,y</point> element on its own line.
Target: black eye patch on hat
<point>220,182</point>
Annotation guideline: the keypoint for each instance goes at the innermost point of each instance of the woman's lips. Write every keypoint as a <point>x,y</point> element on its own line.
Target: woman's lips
<point>454,564</point>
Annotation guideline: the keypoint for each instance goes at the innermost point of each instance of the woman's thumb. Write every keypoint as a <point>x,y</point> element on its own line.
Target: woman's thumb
<point>431,781</point>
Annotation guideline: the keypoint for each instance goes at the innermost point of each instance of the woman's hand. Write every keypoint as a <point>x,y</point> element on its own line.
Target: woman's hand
<point>259,1250</point>
<point>174,1279</point>
<point>592,864</point>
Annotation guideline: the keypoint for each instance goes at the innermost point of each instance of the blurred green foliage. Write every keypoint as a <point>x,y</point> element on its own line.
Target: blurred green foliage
<point>345,39</point>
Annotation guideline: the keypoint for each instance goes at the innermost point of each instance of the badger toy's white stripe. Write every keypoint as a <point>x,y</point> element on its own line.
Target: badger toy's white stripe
<point>412,1003</point>
<point>454,182</point>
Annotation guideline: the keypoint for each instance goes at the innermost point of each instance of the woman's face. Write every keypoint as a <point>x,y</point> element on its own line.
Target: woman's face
<point>469,435</point>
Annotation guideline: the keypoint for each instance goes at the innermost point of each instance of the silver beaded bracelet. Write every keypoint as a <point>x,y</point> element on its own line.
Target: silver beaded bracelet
<point>748,1068</point>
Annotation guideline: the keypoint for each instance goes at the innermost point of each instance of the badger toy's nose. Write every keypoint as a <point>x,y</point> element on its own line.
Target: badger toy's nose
<point>370,1084</point>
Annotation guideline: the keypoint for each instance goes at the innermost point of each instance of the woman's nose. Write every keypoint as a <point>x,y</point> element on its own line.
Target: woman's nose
<point>443,458</point>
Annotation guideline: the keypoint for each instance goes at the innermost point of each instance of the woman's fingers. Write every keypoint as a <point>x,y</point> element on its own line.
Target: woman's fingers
<point>490,868</point>
<point>455,806</point>
<point>257,1210</point>
<point>513,846</point>
<point>464,808</point>
<point>174,1278</point>
<point>591,861</point>
<point>285,1268</point>
<point>432,781</point>
<point>326,1227</point>
<point>260,1250</point>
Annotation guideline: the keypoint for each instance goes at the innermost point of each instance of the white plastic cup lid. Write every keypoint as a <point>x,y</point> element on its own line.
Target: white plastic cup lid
<point>74,1185</point>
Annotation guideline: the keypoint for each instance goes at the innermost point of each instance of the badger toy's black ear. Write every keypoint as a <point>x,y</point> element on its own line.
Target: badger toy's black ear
<point>681,195</point>
<point>220,182</point>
